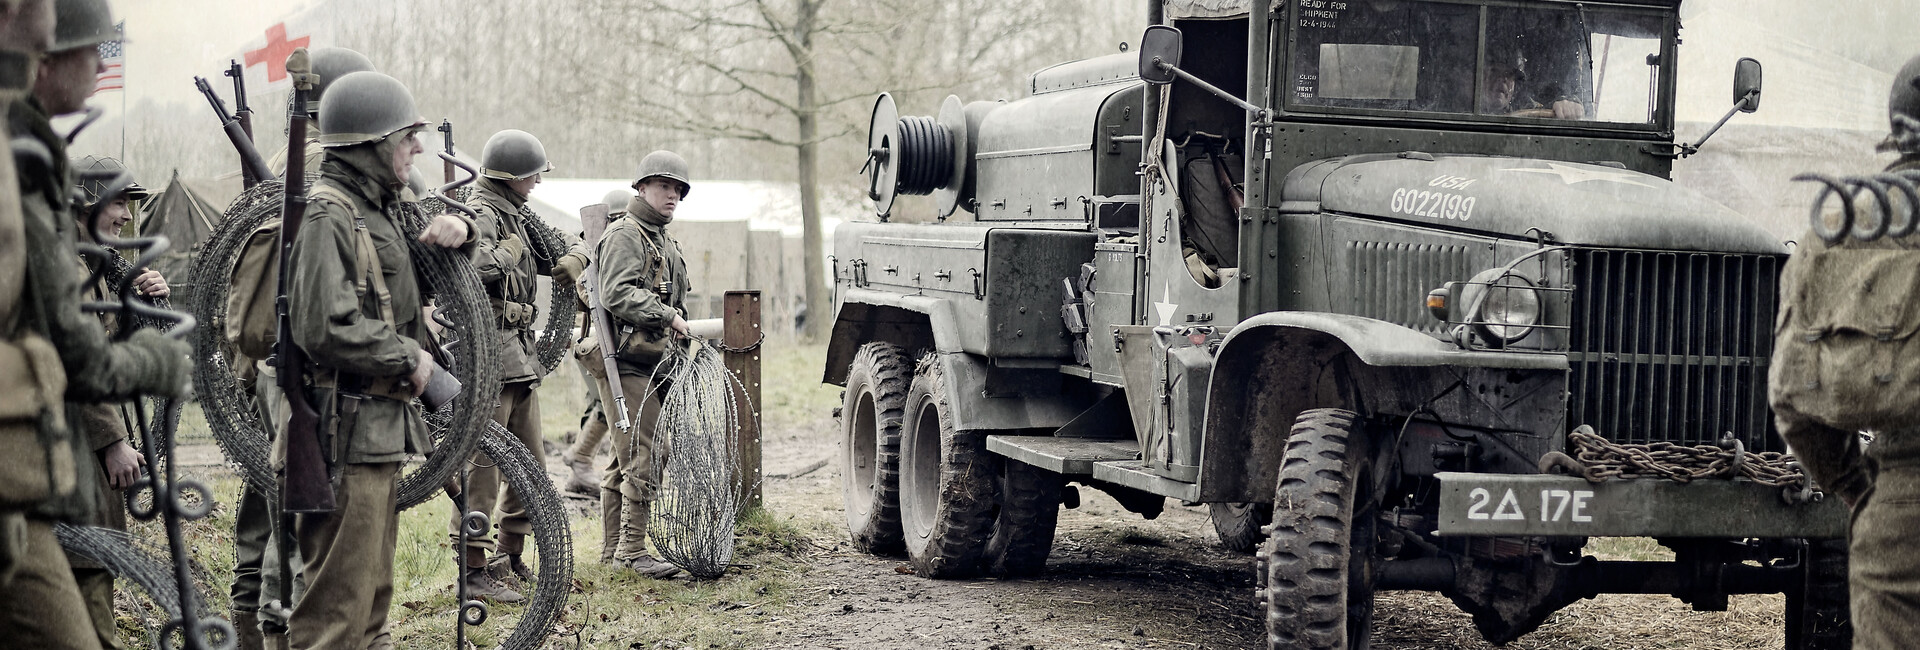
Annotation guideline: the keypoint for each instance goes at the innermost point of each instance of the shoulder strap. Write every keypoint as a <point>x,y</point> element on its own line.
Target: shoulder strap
<point>366,257</point>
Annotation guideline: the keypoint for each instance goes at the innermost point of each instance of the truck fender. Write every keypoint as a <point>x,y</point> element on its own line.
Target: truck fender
<point>1275,365</point>
<point>915,323</point>
<point>983,396</point>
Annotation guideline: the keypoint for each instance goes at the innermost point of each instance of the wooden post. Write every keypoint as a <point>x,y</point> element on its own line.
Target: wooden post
<point>742,341</point>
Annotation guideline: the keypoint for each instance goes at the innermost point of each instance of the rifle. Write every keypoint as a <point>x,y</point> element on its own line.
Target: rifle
<point>253,168</point>
<point>593,221</point>
<point>241,111</point>
<point>305,487</point>
<point>446,134</point>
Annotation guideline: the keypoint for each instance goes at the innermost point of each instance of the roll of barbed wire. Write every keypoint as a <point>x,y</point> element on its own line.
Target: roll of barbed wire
<point>526,475</point>
<point>228,405</point>
<point>556,339</point>
<point>697,452</point>
<point>133,559</point>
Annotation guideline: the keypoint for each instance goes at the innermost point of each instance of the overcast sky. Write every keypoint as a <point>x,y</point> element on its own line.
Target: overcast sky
<point>170,41</point>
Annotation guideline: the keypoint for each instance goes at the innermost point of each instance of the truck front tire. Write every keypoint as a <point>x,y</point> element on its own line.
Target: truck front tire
<point>946,482</point>
<point>870,420</point>
<point>1319,557</point>
<point>1817,615</point>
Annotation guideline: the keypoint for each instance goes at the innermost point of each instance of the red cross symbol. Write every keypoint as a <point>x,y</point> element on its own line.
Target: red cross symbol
<point>276,52</point>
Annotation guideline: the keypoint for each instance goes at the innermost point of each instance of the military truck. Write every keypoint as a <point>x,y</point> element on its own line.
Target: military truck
<point>1357,274</point>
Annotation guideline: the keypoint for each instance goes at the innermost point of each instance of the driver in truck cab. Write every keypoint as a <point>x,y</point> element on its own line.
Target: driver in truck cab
<point>1501,93</point>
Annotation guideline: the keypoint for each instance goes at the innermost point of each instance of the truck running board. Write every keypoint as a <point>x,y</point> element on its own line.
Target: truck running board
<point>1110,460</point>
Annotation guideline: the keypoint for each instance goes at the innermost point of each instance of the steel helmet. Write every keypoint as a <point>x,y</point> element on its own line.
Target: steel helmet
<point>330,64</point>
<point>365,107</point>
<point>617,200</point>
<point>82,23</point>
<point>100,179</point>
<point>1904,102</point>
<point>665,164</point>
<point>512,155</point>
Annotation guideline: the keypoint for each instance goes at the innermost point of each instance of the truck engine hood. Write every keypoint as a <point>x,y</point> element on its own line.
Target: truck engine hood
<point>1585,204</point>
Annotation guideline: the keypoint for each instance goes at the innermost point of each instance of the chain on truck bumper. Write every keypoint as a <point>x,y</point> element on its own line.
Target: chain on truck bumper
<point>1546,505</point>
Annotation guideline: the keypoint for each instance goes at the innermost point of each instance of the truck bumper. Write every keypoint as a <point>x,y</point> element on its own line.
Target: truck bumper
<point>1545,505</point>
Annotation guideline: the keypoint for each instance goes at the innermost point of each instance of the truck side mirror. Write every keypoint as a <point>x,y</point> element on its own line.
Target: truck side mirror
<point>1746,85</point>
<point>1159,54</point>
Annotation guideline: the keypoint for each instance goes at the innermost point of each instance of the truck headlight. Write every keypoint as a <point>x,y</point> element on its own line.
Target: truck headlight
<point>1505,307</point>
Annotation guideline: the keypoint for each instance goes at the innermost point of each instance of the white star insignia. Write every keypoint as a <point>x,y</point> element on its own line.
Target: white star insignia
<point>1576,175</point>
<point>1166,306</point>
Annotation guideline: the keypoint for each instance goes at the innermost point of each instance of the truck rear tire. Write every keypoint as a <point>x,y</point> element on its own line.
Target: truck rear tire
<point>1817,616</point>
<point>946,483</point>
<point>1023,525</point>
<point>870,420</point>
<point>1240,525</point>
<point>1319,557</point>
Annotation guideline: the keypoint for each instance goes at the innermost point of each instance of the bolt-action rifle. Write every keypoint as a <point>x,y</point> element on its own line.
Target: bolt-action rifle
<point>593,223</point>
<point>253,168</point>
<point>305,487</point>
<point>241,112</point>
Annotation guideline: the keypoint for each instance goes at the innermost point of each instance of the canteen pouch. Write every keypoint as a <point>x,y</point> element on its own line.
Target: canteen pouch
<point>37,460</point>
<point>1845,351</point>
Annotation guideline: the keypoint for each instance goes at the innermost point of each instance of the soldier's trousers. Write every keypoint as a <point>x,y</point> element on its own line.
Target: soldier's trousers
<point>593,424</point>
<point>349,563</point>
<point>1883,571</point>
<point>519,412</point>
<point>630,474</point>
<point>41,606</point>
<point>96,588</point>
<point>256,555</point>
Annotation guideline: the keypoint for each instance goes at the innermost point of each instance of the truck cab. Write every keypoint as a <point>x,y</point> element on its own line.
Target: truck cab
<point>1369,277</point>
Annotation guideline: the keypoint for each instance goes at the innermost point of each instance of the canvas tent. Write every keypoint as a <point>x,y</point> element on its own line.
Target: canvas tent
<point>181,214</point>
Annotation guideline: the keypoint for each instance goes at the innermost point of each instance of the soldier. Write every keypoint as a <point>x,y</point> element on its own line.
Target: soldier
<point>1880,483</point>
<point>367,360</point>
<point>256,561</point>
<point>645,284</point>
<point>586,355</point>
<point>105,188</point>
<point>507,260</point>
<point>52,351</point>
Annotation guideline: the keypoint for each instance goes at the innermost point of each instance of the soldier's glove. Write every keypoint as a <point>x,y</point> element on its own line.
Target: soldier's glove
<point>569,266</point>
<point>161,366</point>
<point>513,247</point>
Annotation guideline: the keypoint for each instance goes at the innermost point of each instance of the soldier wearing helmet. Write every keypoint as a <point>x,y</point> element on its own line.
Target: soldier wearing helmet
<point>370,350</point>
<point>106,189</point>
<point>330,64</point>
<point>508,258</point>
<point>256,562</point>
<point>586,355</point>
<point>1879,482</point>
<point>645,285</point>
<point>53,356</point>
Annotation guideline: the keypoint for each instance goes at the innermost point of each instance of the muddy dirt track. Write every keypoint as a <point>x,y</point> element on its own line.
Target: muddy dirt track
<point>1115,580</point>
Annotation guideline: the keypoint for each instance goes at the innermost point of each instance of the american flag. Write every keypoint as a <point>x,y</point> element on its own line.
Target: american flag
<point>113,54</point>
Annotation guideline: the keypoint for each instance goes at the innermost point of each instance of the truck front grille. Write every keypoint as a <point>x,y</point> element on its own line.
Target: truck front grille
<point>1673,346</point>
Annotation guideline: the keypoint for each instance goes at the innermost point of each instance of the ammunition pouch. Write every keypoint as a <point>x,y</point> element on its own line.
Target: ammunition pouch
<point>513,315</point>
<point>37,459</point>
<point>641,348</point>
<point>1847,341</point>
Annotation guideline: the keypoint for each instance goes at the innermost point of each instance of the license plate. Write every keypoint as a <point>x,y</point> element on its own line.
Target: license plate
<point>1543,505</point>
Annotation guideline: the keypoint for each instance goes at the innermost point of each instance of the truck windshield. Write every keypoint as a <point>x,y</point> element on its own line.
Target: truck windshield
<point>1541,62</point>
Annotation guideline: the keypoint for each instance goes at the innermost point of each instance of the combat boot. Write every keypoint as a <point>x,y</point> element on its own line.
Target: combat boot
<point>610,504</point>
<point>480,584</point>
<point>246,631</point>
<point>584,479</point>
<point>647,566</point>
<point>508,569</point>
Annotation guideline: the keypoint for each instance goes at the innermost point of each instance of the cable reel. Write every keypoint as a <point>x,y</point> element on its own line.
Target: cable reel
<point>917,155</point>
